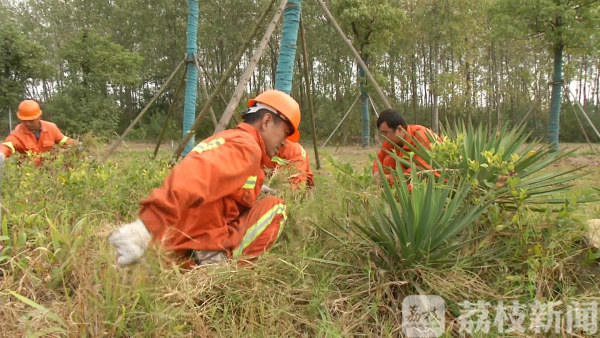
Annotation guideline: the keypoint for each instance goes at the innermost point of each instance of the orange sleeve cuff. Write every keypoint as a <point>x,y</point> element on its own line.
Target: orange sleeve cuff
<point>6,151</point>
<point>153,223</point>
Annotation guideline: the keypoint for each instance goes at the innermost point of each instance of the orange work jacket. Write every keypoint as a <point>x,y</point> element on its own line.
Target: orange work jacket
<point>199,203</point>
<point>419,134</point>
<point>22,139</point>
<point>293,154</point>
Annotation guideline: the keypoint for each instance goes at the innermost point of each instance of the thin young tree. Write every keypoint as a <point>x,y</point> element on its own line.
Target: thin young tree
<point>560,25</point>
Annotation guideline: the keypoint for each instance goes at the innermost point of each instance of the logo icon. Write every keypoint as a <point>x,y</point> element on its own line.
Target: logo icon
<point>423,316</point>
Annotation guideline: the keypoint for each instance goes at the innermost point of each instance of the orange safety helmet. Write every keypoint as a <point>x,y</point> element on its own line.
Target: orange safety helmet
<point>29,110</point>
<point>285,105</point>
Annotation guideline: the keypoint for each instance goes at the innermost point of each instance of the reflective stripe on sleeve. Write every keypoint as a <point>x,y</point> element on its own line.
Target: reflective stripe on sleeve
<point>303,151</point>
<point>250,183</point>
<point>202,146</point>
<point>257,228</point>
<point>10,145</point>
<point>278,160</point>
<point>63,141</point>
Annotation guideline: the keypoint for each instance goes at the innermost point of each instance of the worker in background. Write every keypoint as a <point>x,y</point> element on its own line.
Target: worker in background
<point>33,134</point>
<point>207,209</point>
<point>392,125</point>
<point>293,156</point>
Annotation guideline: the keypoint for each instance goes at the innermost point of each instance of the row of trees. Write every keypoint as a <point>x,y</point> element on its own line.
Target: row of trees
<point>94,64</point>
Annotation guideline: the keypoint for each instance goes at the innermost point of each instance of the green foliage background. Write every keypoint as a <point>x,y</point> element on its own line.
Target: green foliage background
<point>95,64</point>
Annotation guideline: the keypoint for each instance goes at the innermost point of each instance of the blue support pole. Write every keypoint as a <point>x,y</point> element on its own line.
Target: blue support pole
<point>556,99</point>
<point>191,84</point>
<point>287,53</point>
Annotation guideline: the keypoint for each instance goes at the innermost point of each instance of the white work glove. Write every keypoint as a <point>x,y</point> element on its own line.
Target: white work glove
<point>130,241</point>
<point>268,190</point>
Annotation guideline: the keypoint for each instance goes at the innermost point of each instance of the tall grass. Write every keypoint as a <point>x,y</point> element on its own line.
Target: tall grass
<point>59,277</point>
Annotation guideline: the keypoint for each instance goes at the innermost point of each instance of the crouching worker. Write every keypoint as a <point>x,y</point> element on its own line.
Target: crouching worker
<point>293,156</point>
<point>33,134</point>
<point>206,209</point>
<point>392,125</point>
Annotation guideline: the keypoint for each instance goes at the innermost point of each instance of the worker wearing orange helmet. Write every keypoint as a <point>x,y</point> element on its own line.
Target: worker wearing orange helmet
<point>32,134</point>
<point>207,209</point>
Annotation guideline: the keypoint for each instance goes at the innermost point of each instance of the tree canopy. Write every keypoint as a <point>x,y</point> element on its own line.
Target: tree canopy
<point>94,64</point>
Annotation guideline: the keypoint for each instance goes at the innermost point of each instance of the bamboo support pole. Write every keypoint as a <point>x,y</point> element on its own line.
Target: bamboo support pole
<point>221,84</point>
<point>137,119</point>
<point>356,55</point>
<point>342,121</point>
<point>308,93</point>
<point>237,94</point>
<point>169,113</point>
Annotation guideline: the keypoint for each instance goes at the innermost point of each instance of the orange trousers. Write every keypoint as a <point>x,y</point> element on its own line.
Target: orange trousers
<point>261,226</point>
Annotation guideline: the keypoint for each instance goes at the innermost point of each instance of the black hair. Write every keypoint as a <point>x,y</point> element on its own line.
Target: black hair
<point>258,115</point>
<point>392,118</point>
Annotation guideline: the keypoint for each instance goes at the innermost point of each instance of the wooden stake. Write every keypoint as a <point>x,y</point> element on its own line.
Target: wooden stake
<point>237,94</point>
<point>221,84</point>
<point>342,121</point>
<point>356,55</point>
<point>169,113</point>
<point>308,92</point>
<point>136,120</point>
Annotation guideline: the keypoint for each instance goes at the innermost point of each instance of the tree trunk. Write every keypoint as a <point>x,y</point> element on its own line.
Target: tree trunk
<point>557,82</point>
<point>434,109</point>
<point>191,85</point>
<point>490,90</point>
<point>287,51</point>
<point>468,92</point>
<point>597,91</point>
<point>585,79</point>
<point>392,73</point>
<point>413,83</point>
<point>365,135</point>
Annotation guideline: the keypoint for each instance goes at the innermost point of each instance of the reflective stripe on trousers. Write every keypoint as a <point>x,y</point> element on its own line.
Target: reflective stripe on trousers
<point>259,227</point>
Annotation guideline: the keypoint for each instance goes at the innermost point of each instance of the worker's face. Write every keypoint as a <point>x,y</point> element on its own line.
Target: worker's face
<point>274,132</point>
<point>394,135</point>
<point>33,125</point>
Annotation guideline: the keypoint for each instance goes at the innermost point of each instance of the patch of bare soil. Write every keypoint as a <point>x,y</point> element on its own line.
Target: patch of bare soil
<point>579,161</point>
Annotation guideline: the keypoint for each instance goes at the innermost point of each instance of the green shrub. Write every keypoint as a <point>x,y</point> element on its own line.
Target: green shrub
<point>502,161</point>
<point>421,226</point>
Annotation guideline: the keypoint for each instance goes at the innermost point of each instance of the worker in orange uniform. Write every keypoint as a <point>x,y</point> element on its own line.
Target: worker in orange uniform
<point>292,154</point>
<point>207,209</point>
<point>392,125</point>
<point>32,134</point>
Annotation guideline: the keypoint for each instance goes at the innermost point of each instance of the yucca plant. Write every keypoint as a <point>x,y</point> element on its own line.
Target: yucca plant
<point>502,161</point>
<point>421,226</point>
